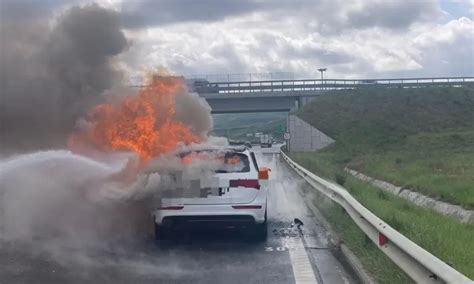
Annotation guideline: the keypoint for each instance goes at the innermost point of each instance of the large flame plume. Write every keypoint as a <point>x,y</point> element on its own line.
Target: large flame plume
<point>145,123</point>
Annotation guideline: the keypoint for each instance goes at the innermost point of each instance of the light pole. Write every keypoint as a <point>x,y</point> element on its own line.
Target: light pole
<point>322,76</point>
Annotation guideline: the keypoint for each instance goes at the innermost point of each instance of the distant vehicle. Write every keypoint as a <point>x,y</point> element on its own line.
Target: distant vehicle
<point>236,195</point>
<point>201,86</point>
<point>266,141</point>
<point>369,82</point>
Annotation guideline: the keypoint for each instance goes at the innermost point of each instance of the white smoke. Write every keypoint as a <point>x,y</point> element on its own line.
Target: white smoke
<point>56,198</point>
<point>50,196</point>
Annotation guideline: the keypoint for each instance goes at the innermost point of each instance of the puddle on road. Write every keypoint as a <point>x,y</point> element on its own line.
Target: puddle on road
<point>289,229</point>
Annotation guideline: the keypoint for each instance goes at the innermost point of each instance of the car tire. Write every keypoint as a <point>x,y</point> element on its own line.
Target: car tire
<point>261,230</point>
<point>160,233</point>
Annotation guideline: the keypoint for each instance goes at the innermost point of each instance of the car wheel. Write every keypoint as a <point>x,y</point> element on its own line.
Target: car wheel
<point>160,233</point>
<point>261,230</point>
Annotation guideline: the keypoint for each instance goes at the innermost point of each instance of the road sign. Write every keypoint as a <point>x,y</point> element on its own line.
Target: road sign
<point>286,136</point>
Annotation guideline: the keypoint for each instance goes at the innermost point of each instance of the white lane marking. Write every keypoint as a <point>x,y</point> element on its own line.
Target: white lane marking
<point>279,249</point>
<point>302,269</point>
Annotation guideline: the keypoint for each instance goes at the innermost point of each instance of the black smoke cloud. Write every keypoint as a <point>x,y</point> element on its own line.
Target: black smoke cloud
<point>52,69</point>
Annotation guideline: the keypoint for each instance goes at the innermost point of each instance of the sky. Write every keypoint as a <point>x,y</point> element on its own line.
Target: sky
<point>281,39</point>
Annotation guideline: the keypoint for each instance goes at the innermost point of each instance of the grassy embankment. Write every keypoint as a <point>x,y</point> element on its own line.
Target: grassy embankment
<point>238,125</point>
<point>422,139</point>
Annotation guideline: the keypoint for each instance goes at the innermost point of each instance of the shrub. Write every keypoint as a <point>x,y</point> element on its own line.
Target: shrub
<point>340,178</point>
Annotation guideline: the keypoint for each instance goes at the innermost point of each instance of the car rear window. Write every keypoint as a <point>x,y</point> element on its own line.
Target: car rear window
<point>228,162</point>
<point>235,163</point>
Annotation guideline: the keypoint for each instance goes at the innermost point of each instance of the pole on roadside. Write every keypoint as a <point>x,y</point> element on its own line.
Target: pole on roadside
<point>322,76</point>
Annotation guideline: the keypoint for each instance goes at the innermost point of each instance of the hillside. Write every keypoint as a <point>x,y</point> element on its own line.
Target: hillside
<point>417,138</point>
<point>238,125</point>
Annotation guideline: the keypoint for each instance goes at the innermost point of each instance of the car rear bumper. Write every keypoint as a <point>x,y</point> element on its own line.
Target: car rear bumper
<point>222,213</point>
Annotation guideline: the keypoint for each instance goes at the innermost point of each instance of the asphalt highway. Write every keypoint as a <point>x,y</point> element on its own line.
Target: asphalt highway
<point>292,253</point>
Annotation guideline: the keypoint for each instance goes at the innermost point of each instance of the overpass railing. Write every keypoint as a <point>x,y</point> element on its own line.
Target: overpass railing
<point>205,87</point>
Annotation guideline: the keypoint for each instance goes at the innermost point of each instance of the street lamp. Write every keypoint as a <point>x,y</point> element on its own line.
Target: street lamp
<point>322,77</point>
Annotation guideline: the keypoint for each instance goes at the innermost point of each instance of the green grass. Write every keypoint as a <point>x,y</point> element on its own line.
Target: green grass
<point>439,165</point>
<point>417,138</point>
<point>237,126</point>
<point>422,139</point>
<point>393,113</point>
<point>447,239</point>
<point>442,236</point>
<point>377,264</point>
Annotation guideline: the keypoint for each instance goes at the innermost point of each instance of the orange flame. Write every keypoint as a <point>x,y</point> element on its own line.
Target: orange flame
<point>220,157</point>
<point>145,123</point>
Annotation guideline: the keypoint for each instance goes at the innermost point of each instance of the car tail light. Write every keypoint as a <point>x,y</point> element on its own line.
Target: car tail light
<point>263,173</point>
<point>253,183</point>
<point>247,206</point>
<point>171,208</point>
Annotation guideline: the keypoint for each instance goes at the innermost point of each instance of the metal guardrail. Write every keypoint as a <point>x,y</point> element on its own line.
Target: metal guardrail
<point>419,264</point>
<point>204,87</point>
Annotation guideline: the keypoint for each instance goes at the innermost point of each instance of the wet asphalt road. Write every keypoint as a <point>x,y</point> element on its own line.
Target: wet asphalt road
<point>216,256</point>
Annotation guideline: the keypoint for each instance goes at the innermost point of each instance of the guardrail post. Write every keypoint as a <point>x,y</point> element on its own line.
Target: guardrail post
<point>382,239</point>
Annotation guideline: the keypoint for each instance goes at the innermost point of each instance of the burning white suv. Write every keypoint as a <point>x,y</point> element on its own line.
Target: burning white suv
<point>234,194</point>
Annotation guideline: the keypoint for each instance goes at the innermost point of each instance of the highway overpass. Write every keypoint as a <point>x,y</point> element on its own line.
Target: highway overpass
<point>286,95</point>
<point>258,101</point>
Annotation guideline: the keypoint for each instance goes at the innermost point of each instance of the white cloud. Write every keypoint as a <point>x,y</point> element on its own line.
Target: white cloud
<point>471,4</point>
<point>447,49</point>
<point>358,38</point>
